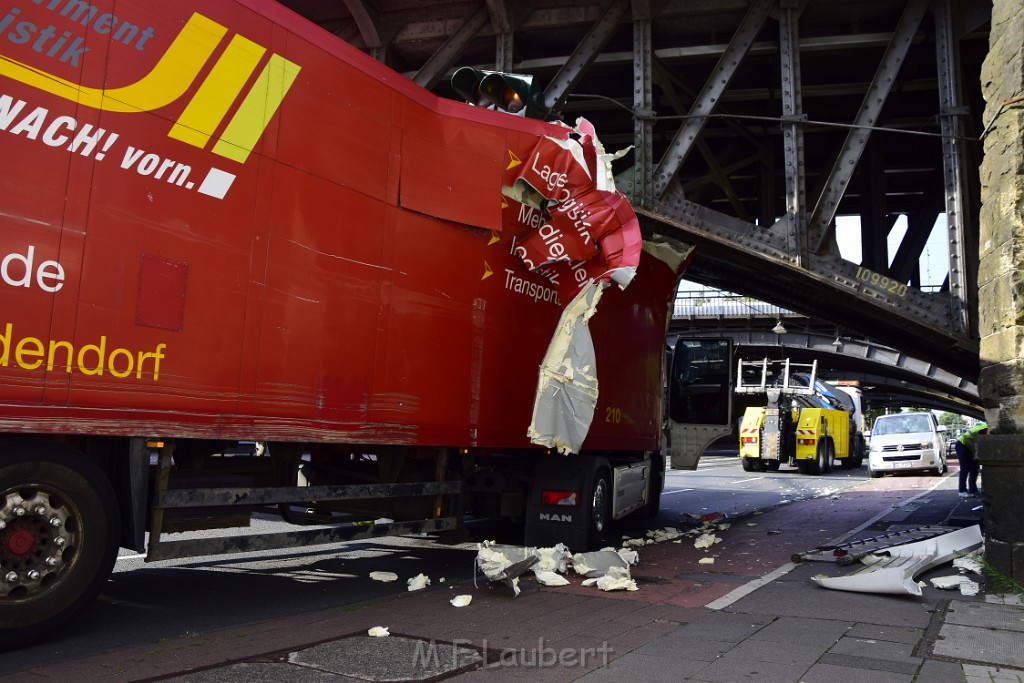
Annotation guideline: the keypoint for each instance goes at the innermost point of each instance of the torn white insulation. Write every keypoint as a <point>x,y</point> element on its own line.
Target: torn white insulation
<point>418,582</point>
<point>461,600</point>
<point>892,571</point>
<point>549,578</point>
<point>567,388</point>
<point>504,562</point>
<point>378,632</point>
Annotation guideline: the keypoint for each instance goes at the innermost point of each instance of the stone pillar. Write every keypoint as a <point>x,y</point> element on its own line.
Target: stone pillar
<point>1001,290</point>
<point>1002,480</point>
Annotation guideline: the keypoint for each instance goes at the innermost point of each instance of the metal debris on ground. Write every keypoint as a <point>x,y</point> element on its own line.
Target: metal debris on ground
<point>598,563</point>
<point>892,570</point>
<point>504,563</point>
<point>845,554</point>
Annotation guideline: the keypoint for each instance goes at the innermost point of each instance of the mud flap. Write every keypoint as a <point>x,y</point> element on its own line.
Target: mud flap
<point>548,525</point>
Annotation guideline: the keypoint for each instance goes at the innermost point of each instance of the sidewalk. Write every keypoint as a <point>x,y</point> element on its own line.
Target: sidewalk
<point>752,615</point>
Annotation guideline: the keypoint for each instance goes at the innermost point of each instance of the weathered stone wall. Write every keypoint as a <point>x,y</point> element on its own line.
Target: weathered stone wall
<point>1001,243</point>
<point>1001,290</point>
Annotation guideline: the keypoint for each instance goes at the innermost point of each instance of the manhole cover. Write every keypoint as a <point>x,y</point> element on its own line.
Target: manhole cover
<point>395,658</point>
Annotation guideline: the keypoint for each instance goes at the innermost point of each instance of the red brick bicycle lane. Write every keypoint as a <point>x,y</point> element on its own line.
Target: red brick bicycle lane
<point>670,573</point>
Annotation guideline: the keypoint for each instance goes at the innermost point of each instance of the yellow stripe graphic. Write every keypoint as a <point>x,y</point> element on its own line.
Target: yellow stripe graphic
<point>259,106</point>
<point>167,81</point>
<point>214,97</point>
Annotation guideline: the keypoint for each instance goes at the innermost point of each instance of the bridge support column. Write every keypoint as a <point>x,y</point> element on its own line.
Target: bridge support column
<point>1001,290</point>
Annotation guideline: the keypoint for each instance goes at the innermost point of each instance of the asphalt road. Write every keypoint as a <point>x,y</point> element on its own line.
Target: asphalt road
<point>153,603</point>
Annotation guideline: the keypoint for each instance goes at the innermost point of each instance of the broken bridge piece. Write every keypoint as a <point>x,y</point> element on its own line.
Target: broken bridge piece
<point>892,571</point>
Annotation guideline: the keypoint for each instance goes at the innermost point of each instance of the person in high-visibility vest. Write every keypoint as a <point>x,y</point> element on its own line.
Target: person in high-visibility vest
<point>967,457</point>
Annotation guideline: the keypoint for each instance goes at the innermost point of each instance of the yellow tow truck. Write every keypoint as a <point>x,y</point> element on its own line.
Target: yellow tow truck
<point>806,423</point>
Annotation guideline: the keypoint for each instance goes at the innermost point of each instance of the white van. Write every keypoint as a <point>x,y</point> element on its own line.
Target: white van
<point>906,442</point>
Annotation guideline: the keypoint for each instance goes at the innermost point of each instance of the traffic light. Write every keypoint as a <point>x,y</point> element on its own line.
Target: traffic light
<point>512,93</point>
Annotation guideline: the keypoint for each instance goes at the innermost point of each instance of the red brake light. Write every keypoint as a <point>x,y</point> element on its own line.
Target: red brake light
<point>559,498</point>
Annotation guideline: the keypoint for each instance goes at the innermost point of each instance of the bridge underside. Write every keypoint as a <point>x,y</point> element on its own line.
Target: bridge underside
<point>754,125</point>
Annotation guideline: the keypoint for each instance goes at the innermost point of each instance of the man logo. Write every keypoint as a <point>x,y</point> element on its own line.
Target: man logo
<point>555,517</point>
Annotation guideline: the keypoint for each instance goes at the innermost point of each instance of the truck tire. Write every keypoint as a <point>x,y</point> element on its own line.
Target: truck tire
<point>748,464</point>
<point>598,509</point>
<point>821,463</point>
<point>59,539</point>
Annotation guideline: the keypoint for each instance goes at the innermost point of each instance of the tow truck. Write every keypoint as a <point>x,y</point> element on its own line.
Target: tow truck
<point>806,423</point>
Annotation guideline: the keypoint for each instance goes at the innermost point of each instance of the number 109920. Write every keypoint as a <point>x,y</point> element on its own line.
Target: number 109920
<point>886,284</point>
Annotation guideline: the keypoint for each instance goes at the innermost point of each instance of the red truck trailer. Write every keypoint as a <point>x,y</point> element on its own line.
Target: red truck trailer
<point>220,225</point>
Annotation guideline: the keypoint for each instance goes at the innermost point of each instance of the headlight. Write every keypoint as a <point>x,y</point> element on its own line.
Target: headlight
<point>925,445</point>
<point>875,448</point>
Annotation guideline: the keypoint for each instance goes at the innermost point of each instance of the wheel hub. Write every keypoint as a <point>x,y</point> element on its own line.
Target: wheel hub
<point>34,541</point>
<point>20,541</point>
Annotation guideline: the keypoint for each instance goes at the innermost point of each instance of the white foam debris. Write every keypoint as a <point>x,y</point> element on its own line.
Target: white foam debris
<point>706,560</point>
<point>549,578</point>
<point>969,563</point>
<point>492,563</point>
<point>553,559</point>
<point>633,543</point>
<point>706,540</point>
<point>724,526</point>
<point>386,577</point>
<point>379,632</point>
<point>662,535</point>
<point>616,579</point>
<point>956,582</point>
<point>580,566</point>
<point>418,582</point>
<point>461,600</point>
<point>515,586</point>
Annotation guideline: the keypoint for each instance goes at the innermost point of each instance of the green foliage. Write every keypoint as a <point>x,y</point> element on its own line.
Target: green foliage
<point>953,422</point>
<point>998,582</point>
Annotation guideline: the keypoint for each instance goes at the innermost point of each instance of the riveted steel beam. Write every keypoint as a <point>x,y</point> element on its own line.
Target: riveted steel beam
<point>962,268</point>
<point>443,60</point>
<point>366,22</point>
<point>585,53</point>
<point>847,353</point>
<point>845,293</point>
<point>793,225</point>
<point>820,226</point>
<point>643,103</point>
<point>685,138</point>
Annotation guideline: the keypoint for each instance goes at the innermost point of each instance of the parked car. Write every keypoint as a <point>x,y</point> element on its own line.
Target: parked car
<point>904,442</point>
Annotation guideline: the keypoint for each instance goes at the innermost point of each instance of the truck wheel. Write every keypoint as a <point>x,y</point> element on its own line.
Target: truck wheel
<point>598,509</point>
<point>58,540</point>
<point>748,464</point>
<point>820,463</point>
<point>830,455</point>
